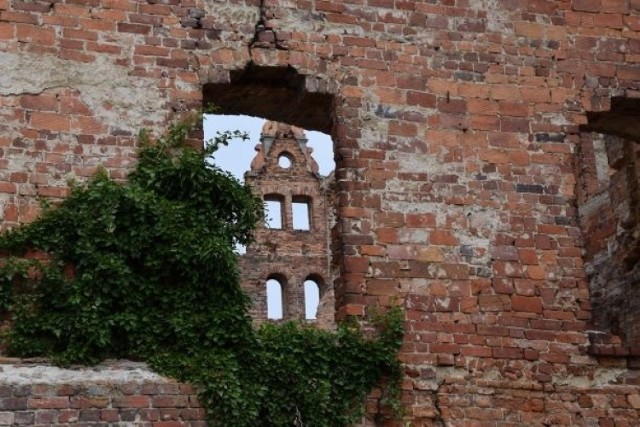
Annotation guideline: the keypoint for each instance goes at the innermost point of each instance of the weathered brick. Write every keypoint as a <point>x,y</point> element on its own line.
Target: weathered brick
<point>489,220</point>
<point>132,402</point>
<point>125,27</point>
<point>32,34</point>
<point>60,402</point>
<point>527,304</point>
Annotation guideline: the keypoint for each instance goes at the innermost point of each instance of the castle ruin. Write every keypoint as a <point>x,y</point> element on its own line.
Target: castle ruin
<point>487,180</point>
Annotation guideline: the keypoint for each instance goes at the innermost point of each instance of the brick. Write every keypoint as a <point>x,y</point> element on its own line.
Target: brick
<point>421,99</point>
<point>89,415</point>
<point>32,34</point>
<point>442,237</point>
<point>382,287</point>
<point>529,29</point>
<point>586,5</point>
<point>27,18</point>
<point>422,220</point>
<point>482,106</point>
<point>124,27</point>
<point>494,156</point>
<point>508,353</point>
<point>402,129</point>
<point>42,102</point>
<point>430,254</point>
<point>494,303</point>
<point>60,402</point>
<point>83,402</point>
<point>24,418</point>
<point>526,304</point>
<point>149,414</point>
<point>168,424</point>
<point>634,400</point>
<point>71,9</point>
<point>401,252</point>
<point>152,50</point>
<point>7,31</point>
<point>50,121</point>
<point>132,402</point>
<point>110,415</point>
<point>476,351</point>
<point>7,418</point>
<point>46,417</point>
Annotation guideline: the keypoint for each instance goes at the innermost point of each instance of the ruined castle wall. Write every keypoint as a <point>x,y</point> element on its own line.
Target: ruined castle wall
<point>456,125</point>
<point>123,394</point>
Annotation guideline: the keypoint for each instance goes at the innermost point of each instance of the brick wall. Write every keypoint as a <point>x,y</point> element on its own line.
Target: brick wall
<point>457,125</point>
<point>117,394</point>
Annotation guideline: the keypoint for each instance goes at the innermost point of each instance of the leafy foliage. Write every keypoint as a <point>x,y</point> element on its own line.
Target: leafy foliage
<point>146,270</point>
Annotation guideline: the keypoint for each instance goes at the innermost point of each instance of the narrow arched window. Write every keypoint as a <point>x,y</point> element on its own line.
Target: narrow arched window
<point>311,299</point>
<point>274,299</point>
<point>301,212</point>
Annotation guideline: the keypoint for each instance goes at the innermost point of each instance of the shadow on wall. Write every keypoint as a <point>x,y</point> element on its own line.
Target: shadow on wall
<point>608,193</point>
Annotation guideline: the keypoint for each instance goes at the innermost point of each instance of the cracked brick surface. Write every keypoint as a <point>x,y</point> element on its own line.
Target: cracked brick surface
<point>468,188</point>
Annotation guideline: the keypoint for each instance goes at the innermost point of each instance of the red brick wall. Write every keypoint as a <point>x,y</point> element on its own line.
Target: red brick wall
<point>457,131</point>
<point>38,395</point>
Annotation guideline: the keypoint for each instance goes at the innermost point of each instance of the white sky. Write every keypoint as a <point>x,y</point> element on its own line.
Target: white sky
<point>236,158</point>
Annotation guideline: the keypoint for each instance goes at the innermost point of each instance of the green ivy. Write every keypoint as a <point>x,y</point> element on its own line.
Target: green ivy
<point>145,270</point>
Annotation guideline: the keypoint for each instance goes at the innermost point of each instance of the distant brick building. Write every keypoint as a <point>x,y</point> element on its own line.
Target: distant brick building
<point>295,248</point>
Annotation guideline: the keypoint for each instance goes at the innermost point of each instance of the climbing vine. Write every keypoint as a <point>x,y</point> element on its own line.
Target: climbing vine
<point>146,270</point>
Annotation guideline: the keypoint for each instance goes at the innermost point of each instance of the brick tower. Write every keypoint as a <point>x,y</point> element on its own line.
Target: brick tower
<point>292,248</point>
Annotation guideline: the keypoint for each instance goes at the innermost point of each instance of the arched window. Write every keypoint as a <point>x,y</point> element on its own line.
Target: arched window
<point>274,300</point>
<point>311,299</point>
<point>301,211</point>
<point>273,211</point>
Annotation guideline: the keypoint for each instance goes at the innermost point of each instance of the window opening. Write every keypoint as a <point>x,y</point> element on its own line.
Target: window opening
<point>284,161</point>
<point>301,210</point>
<point>311,299</point>
<point>273,213</point>
<point>274,300</point>
<point>277,94</point>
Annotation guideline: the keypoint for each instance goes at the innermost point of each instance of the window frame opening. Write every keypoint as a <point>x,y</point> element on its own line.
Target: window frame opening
<point>275,304</point>
<point>270,202</point>
<point>313,284</point>
<point>304,203</point>
<point>285,161</point>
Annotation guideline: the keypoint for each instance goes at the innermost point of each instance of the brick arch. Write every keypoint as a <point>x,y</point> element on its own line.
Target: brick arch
<point>278,93</point>
<point>318,278</point>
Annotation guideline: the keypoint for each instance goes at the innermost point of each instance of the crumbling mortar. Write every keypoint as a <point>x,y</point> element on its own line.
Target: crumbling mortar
<point>438,419</point>
<point>260,28</point>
